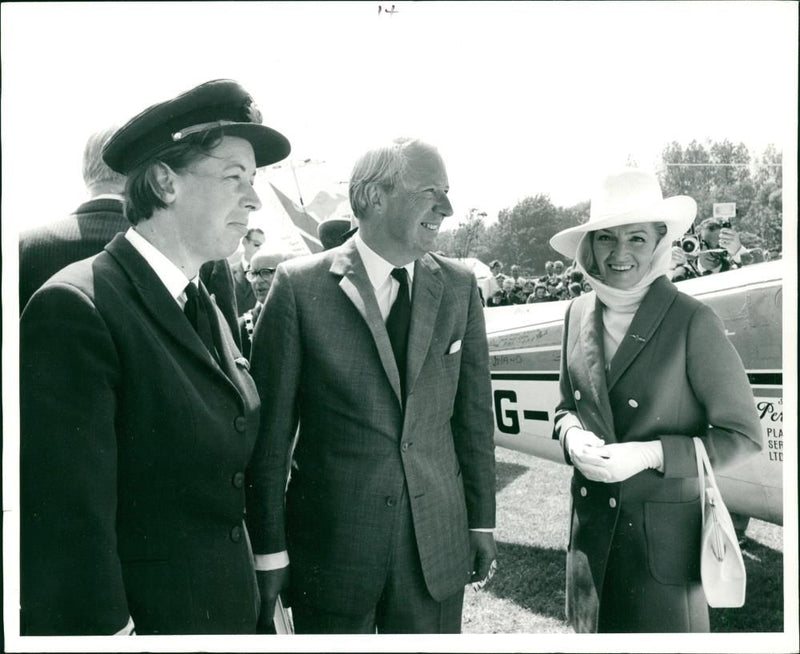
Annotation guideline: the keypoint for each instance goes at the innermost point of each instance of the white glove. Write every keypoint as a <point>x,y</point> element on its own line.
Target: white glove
<point>577,439</point>
<point>619,461</point>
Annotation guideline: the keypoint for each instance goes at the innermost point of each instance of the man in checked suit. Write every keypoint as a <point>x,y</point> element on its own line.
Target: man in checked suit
<point>391,503</point>
<point>138,418</point>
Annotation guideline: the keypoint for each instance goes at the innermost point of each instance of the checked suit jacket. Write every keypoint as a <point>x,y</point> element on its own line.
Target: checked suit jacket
<point>321,356</point>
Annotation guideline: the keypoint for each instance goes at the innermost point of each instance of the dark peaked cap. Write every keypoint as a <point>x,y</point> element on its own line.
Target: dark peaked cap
<point>219,103</point>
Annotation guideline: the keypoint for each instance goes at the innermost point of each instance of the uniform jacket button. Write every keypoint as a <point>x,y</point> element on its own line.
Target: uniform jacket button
<point>236,534</point>
<point>390,501</point>
<point>405,446</point>
<point>577,394</point>
<point>238,480</point>
<point>584,492</point>
<point>240,424</point>
<point>612,502</point>
<point>633,403</point>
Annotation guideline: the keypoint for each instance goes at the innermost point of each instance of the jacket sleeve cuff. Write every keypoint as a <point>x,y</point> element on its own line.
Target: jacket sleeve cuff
<point>267,562</point>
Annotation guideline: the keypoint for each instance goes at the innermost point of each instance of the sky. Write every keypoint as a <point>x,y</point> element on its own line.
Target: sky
<point>520,98</point>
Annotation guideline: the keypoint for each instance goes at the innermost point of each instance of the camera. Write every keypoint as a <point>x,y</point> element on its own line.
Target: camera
<point>689,243</point>
<point>725,224</point>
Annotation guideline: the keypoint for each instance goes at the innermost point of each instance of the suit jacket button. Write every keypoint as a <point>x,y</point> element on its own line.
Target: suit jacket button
<point>236,534</point>
<point>577,394</point>
<point>405,446</point>
<point>633,403</point>
<point>612,502</point>
<point>390,501</point>
<point>240,424</point>
<point>238,480</point>
<point>584,492</point>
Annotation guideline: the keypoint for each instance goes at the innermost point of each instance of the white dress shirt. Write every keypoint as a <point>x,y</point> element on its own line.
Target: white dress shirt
<point>379,272</point>
<point>170,275</point>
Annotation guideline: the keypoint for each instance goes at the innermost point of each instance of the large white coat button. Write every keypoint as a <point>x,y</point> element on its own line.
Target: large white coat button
<point>633,403</point>
<point>583,491</point>
<point>577,395</point>
<point>612,502</point>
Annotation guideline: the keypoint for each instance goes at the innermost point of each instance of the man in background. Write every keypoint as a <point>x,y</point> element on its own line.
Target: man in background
<point>47,249</point>
<point>378,349</point>
<point>245,299</point>
<point>260,275</point>
<point>720,249</point>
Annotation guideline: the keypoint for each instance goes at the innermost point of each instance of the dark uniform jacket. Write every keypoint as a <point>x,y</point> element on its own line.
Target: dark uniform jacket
<point>674,376</point>
<point>136,459</point>
<point>358,450</point>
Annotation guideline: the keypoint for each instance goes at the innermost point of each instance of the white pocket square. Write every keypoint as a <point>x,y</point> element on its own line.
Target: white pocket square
<point>455,347</point>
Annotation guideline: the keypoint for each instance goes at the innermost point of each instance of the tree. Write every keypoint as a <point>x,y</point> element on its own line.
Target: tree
<point>522,234</point>
<point>467,239</point>
<point>725,172</point>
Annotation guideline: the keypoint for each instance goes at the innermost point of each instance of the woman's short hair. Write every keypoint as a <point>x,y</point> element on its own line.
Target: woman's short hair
<point>381,167</point>
<point>142,192</point>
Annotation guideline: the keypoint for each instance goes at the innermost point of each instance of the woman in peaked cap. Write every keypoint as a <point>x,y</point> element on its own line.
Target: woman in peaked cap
<point>141,464</point>
<point>644,368</point>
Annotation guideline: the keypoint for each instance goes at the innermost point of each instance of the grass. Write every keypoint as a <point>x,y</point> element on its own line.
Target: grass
<point>526,594</point>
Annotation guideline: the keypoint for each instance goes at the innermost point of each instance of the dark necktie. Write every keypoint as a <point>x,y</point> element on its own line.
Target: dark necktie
<point>397,324</point>
<point>196,313</point>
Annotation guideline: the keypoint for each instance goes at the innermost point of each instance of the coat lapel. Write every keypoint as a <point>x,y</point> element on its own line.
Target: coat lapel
<point>425,300</point>
<point>648,317</point>
<point>356,286</point>
<point>159,303</point>
<point>594,360</point>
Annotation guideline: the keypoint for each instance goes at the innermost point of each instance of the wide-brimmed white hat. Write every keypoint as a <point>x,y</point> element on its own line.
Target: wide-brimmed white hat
<point>626,197</point>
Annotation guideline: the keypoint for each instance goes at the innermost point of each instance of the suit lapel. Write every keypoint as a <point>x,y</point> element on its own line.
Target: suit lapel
<point>591,340</point>
<point>646,320</point>
<point>356,286</point>
<point>159,303</point>
<point>425,300</point>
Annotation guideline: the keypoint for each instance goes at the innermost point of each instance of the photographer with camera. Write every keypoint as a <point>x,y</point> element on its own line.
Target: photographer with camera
<point>715,248</point>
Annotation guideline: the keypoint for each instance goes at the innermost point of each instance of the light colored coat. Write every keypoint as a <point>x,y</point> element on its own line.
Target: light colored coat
<point>321,354</point>
<point>633,555</point>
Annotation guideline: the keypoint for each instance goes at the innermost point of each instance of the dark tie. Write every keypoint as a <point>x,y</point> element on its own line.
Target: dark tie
<point>198,317</point>
<point>397,324</point>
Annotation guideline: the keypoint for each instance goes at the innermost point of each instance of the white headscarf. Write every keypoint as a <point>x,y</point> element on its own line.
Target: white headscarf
<point>620,304</point>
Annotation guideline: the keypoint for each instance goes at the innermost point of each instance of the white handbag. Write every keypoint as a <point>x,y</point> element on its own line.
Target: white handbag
<point>722,568</point>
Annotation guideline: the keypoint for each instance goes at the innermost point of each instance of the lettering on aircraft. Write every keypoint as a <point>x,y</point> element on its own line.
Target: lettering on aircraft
<point>771,415</point>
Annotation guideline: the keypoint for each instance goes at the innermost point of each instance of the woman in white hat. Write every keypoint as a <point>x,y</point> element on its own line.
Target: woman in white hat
<point>643,369</point>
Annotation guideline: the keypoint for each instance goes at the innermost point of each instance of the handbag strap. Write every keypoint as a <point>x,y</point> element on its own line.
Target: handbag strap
<point>699,451</point>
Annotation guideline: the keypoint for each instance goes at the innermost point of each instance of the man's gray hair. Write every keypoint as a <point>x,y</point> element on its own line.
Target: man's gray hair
<point>97,176</point>
<point>381,167</point>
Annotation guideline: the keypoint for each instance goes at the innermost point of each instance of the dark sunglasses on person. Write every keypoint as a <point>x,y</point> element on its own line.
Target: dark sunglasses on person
<point>263,273</point>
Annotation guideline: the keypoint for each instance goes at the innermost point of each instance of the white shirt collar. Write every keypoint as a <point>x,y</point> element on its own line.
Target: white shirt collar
<point>170,275</point>
<point>108,196</point>
<point>378,269</point>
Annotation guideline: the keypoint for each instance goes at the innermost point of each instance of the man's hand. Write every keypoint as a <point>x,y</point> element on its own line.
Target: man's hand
<point>270,584</point>
<point>678,257</point>
<point>482,554</point>
<point>729,239</point>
